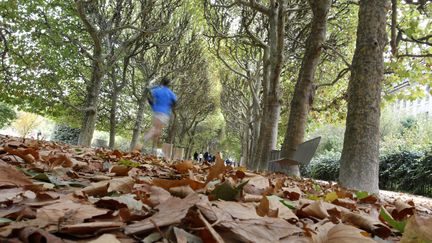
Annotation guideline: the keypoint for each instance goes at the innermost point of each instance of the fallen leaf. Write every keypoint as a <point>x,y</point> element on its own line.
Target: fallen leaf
<point>257,184</point>
<point>154,194</point>
<point>292,193</point>
<point>119,170</point>
<point>68,210</point>
<point>11,177</point>
<point>106,238</point>
<point>23,153</point>
<point>167,184</point>
<point>330,197</point>
<point>367,223</point>
<point>226,191</point>
<point>315,209</point>
<point>184,166</point>
<point>122,201</point>
<point>172,211</point>
<point>32,234</point>
<point>399,225</point>
<point>264,207</point>
<point>402,210</point>
<point>123,185</point>
<point>346,203</point>
<point>216,169</point>
<point>89,228</point>
<point>418,229</point>
<point>342,233</point>
<point>181,191</point>
<point>185,237</point>
<point>96,189</point>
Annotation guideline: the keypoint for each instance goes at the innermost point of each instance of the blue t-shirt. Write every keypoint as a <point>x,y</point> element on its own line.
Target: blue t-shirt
<point>163,99</point>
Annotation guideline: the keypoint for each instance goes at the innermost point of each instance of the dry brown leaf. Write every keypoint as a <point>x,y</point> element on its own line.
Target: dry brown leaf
<point>418,229</point>
<point>68,211</point>
<point>35,235</point>
<point>257,184</point>
<point>264,207</point>
<point>28,155</point>
<point>172,211</point>
<point>106,238</point>
<point>11,177</point>
<point>251,197</point>
<point>89,228</point>
<point>283,211</point>
<point>367,223</point>
<point>402,210</point>
<point>342,233</point>
<point>315,209</point>
<point>155,194</point>
<point>167,184</point>
<point>210,228</point>
<point>216,169</point>
<point>59,160</point>
<point>346,203</point>
<point>292,193</point>
<point>99,189</point>
<point>119,170</point>
<point>123,185</point>
<point>181,191</point>
<point>184,166</point>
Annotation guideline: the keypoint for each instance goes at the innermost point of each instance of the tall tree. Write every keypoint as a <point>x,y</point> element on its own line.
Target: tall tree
<point>305,87</point>
<point>99,19</point>
<point>359,161</point>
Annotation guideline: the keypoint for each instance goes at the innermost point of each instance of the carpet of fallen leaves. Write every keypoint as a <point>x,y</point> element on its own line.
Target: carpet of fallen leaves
<point>52,192</point>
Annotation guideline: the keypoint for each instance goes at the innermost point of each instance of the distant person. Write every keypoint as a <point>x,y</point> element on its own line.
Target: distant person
<point>206,156</point>
<point>162,102</point>
<point>195,156</point>
<point>200,157</point>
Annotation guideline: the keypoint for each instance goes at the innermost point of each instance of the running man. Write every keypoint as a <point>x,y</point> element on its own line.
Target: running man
<point>162,101</point>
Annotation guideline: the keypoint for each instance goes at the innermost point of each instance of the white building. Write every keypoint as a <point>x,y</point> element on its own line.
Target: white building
<point>419,106</point>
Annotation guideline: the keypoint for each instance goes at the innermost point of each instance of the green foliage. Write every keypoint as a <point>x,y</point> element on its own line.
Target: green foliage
<point>129,163</point>
<point>66,134</point>
<point>399,225</point>
<point>407,171</point>
<point>7,115</point>
<point>325,168</point>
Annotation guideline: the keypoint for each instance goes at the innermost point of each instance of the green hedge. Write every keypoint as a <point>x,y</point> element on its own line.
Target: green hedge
<point>406,171</point>
<point>66,134</point>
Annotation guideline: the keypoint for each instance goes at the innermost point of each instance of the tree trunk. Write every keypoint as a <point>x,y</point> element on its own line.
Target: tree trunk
<point>359,163</point>
<point>305,89</point>
<point>113,119</point>
<point>138,121</point>
<point>268,133</point>
<point>90,114</point>
<point>113,110</point>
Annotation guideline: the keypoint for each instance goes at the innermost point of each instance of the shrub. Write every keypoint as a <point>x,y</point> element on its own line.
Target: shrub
<point>324,167</point>
<point>7,115</point>
<point>66,134</point>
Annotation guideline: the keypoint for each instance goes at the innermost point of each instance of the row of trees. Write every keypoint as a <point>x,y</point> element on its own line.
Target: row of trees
<point>91,63</point>
<point>261,43</point>
<point>281,65</point>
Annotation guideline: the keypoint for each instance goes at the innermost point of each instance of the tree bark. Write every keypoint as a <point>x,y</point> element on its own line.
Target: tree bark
<point>92,98</point>
<point>359,163</point>
<point>305,89</point>
<point>138,122</point>
<point>271,108</point>
<point>113,110</point>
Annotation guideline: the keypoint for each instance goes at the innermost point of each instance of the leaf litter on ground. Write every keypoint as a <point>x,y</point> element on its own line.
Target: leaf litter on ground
<point>53,192</point>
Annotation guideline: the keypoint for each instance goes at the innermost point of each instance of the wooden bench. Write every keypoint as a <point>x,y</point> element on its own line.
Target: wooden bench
<point>302,156</point>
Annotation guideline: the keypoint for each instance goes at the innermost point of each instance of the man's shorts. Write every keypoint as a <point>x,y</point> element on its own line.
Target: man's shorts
<point>162,117</point>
